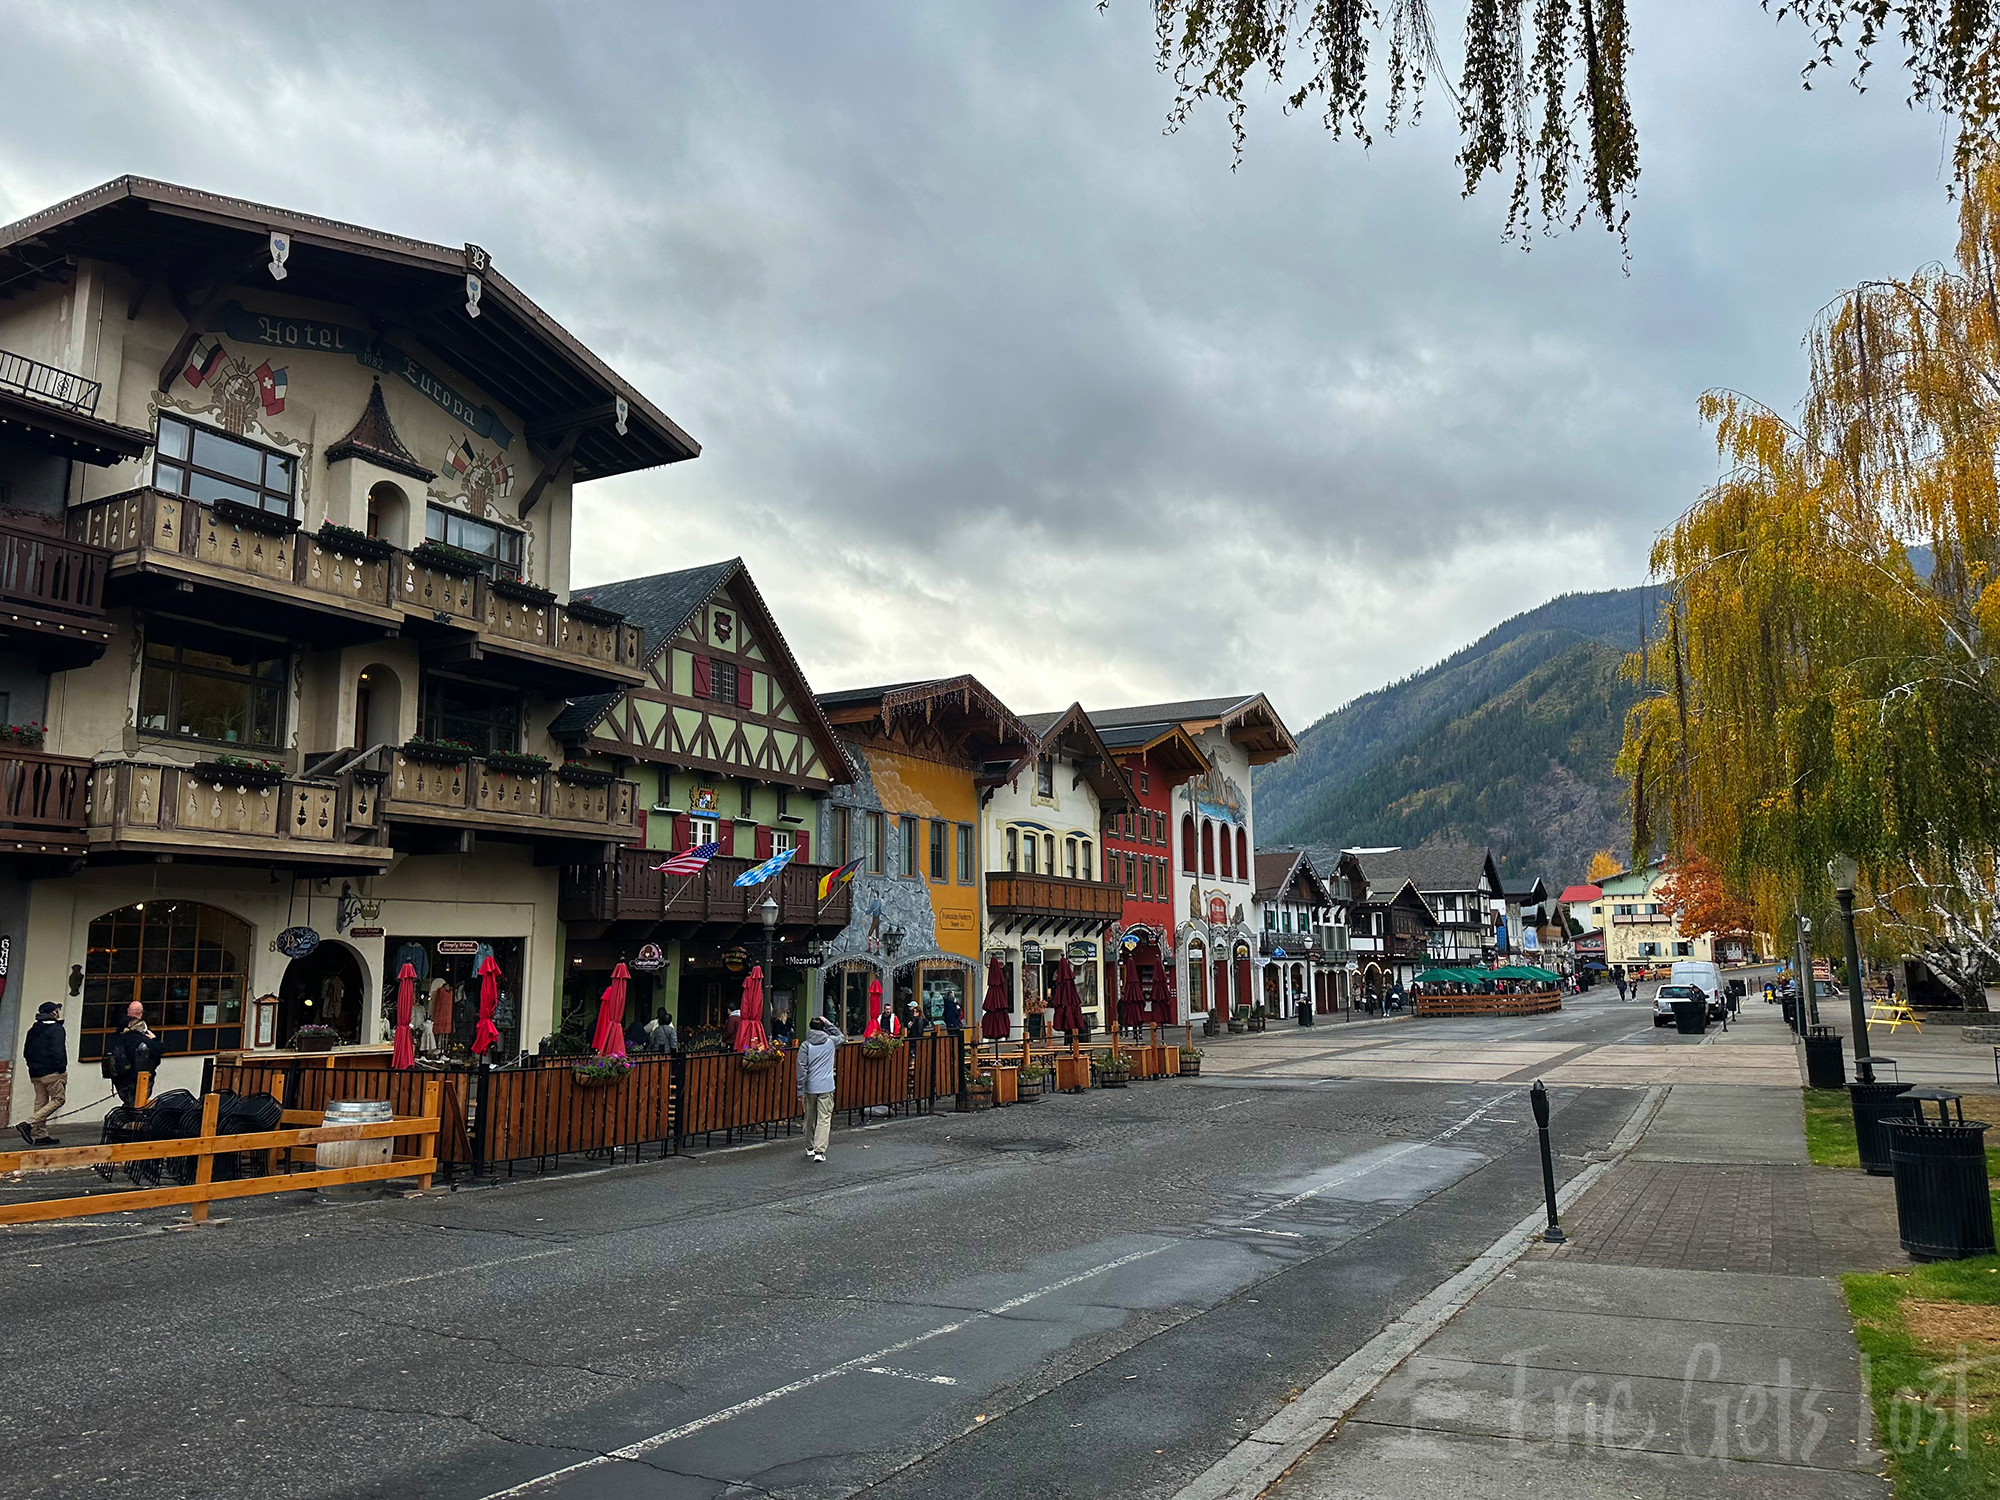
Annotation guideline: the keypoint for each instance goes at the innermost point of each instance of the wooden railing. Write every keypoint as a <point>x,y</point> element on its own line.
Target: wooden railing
<point>50,573</point>
<point>152,804</point>
<point>159,530</point>
<point>630,889</point>
<point>1538,1003</point>
<point>474,793</point>
<point>1052,896</point>
<point>42,801</point>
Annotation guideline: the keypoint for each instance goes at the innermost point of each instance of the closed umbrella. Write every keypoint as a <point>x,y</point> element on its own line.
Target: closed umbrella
<point>1065,1004</point>
<point>1161,1006</point>
<point>874,1006</point>
<point>750,1035</point>
<point>405,1055</point>
<point>1131,999</point>
<point>996,1021</point>
<point>489,995</point>
<point>609,1039</point>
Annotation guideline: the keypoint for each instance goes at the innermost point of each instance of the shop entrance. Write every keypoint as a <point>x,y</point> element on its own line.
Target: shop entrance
<point>448,991</point>
<point>322,989</point>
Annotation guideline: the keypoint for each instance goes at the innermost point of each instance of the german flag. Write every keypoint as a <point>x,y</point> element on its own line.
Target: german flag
<point>833,878</point>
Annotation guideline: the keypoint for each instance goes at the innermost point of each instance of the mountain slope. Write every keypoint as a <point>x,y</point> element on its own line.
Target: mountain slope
<point>1347,743</point>
<point>1528,772</point>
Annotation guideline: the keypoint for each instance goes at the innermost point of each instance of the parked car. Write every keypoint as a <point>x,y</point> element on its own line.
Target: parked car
<point>1663,1002</point>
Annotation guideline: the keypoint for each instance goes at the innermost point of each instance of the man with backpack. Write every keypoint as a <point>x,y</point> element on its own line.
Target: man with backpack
<point>46,1052</point>
<point>134,1051</point>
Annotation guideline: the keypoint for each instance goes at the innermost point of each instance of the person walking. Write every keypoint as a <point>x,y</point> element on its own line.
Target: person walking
<point>1618,979</point>
<point>134,1051</point>
<point>815,1069</point>
<point>46,1052</point>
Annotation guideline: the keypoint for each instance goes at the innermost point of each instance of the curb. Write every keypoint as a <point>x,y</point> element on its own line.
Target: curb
<point>1264,1457</point>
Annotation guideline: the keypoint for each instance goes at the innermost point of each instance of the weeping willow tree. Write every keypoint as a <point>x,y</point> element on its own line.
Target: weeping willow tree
<point>1824,678</point>
<point>1539,94</point>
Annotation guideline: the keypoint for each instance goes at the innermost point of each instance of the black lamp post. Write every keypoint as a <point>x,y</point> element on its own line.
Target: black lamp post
<point>1845,872</point>
<point>767,913</point>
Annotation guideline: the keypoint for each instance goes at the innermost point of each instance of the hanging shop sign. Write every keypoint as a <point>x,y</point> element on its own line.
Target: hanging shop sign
<point>649,959</point>
<point>1031,952</point>
<point>297,942</point>
<point>735,960</point>
<point>1083,952</point>
<point>364,932</point>
<point>458,946</point>
<point>1218,911</point>
<point>1130,942</point>
<point>802,960</point>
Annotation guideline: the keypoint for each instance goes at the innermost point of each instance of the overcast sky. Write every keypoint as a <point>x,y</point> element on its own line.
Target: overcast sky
<point>991,374</point>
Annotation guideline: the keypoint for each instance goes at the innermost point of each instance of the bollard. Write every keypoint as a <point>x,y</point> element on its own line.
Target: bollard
<point>1538,1097</point>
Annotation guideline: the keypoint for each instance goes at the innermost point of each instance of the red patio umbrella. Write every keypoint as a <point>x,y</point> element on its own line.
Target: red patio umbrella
<point>1131,998</point>
<point>996,1021</point>
<point>609,1038</point>
<point>1065,1004</point>
<point>750,1018</point>
<point>874,1005</point>
<point>1162,1004</point>
<point>489,994</point>
<point>405,1055</point>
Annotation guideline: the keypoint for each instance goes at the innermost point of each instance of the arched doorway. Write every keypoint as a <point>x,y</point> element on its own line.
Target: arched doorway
<point>389,514</point>
<point>1197,979</point>
<point>187,963</point>
<point>325,988</point>
<point>378,707</point>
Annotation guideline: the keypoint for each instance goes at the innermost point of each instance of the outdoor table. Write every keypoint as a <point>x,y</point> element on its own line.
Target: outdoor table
<point>1894,1014</point>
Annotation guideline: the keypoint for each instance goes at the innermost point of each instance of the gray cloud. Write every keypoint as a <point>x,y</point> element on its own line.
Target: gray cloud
<point>991,374</point>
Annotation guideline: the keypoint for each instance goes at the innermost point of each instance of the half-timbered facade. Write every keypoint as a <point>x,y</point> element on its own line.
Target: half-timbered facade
<point>1301,943</point>
<point>336,585</point>
<point>923,755</point>
<point>727,747</point>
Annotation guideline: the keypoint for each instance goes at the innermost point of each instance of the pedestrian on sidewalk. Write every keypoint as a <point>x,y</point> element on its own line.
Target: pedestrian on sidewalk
<point>1618,978</point>
<point>815,1067</point>
<point>134,1051</point>
<point>46,1052</point>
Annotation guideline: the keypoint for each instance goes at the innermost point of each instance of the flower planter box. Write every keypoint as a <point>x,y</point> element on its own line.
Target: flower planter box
<point>571,775</point>
<point>314,1043</point>
<point>1105,1080</point>
<point>517,765</point>
<point>1006,1085</point>
<point>1028,1090</point>
<point>589,1080</point>
<point>1237,1028</point>
<point>521,593</point>
<point>1190,1067</point>
<point>1170,1061</point>
<point>1072,1074</point>
<point>214,773</point>
<point>447,560</point>
<point>347,542</point>
<point>978,1097</point>
<point>252,518</point>
<point>436,754</point>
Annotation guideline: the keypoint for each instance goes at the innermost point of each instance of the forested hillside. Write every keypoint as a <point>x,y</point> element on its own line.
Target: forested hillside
<point>1508,742</point>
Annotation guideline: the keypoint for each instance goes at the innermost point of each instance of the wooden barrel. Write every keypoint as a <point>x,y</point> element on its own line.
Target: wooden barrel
<point>356,1153</point>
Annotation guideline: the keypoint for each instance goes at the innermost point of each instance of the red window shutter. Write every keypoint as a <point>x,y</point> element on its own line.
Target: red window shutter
<point>701,687</point>
<point>744,677</point>
<point>640,819</point>
<point>1226,855</point>
<point>683,832</point>
<point>725,835</point>
<point>804,846</point>
<point>763,842</point>
<point>1242,854</point>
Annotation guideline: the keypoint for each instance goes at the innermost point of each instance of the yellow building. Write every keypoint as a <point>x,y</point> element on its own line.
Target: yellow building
<point>925,756</point>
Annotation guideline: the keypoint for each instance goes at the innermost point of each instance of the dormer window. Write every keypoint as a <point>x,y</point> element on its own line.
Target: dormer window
<point>1045,776</point>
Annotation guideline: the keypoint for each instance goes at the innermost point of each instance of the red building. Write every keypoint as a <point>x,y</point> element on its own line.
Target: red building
<point>1138,845</point>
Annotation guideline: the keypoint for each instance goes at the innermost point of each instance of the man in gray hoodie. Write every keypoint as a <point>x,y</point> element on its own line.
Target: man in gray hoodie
<point>815,1067</point>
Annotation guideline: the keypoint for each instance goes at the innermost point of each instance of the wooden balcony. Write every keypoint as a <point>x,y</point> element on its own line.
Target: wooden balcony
<point>52,598</point>
<point>250,569</point>
<point>42,802</point>
<point>1031,903</point>
<point>629,889</point>
<point>144,809</point>
<point>473,797</point>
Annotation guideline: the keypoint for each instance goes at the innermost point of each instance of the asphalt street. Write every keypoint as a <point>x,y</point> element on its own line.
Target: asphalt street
<point>1094,1294</point>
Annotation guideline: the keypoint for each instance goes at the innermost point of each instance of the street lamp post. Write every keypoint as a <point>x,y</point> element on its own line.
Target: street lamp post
<point>1845,872</point>
<point>767,913</point>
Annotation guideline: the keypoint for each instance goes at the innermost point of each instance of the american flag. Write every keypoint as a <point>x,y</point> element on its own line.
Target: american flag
<point>690,861</point>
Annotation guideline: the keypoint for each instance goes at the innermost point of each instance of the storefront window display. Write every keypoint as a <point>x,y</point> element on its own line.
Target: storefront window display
<point>446,1015</point>
<point>943,985</point>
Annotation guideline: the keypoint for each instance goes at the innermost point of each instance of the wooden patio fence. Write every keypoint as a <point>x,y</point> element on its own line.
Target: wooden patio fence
<point>1538,1003</point>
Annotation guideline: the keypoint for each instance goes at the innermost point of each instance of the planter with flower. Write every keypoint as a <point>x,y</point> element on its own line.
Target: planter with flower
<point>239,771</point>
<point>881,1044</point>
<point>1110,1071</point>
<point>980,1094</point>
<point>28,736</point>
<point>512,763</point>
<point>600,1072</point>
<point>1190,1062</point>
<point>759,1058</point>
<point>437,752</point>
<point>314,1038</point>
<point>345,541</point>
<point>1031,1084</point>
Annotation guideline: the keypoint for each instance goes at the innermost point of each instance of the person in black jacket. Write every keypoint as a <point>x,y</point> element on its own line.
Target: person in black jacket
<point>133,1051</point>
<point>46,1052</point>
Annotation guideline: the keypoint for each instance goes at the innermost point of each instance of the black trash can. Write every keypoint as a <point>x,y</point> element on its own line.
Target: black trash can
<point>1791,1012</point>
<point>1944,1207</point>
<point>1690,1017</point>
<point>1305,1013</point>
<point>1826,1063</point>
<point>1208,1027</point>
<point>1873,1103</point>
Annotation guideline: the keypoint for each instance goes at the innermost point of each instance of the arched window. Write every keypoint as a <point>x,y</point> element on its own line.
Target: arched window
<point>1207,847</point>
<point>1242,856</point>
<point>187,963</point>
<point>1187,843</point>
<point>1225,854</point>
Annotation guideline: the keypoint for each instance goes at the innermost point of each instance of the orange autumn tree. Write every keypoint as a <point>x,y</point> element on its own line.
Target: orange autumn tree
<point>1700,901</point>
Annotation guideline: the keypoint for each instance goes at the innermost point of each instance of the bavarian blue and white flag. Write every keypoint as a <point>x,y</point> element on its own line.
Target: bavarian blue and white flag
<point>758,874</point>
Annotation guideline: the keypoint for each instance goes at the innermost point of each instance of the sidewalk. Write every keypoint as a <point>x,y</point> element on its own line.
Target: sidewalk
<point>1689,1340</point>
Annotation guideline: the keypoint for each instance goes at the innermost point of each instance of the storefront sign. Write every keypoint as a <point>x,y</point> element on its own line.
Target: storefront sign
<point>1083,952</point>
<point>702,799</point>
<point>803,960</point>
<point>364,932</point>
<point>1218,911</point>
<point>1242,950</point>
<point>1031,952</point>
<point>735,960</point>
<point>649,959</point>
<point>297,942</point>
<point>457,945</point>
<point>954,921</point>
<point>1130,942</point>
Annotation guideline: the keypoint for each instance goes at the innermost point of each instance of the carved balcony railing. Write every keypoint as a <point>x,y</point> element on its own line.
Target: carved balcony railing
<point>496,800</point>
<point>214,811</point>
<point>42,802</point>
<point>1053,897</point>
<point>630,889</point>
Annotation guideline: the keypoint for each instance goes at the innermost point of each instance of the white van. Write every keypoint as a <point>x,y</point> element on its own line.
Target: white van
<point>1700,972</point>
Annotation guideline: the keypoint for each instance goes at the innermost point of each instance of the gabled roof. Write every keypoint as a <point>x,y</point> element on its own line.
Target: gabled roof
<point>664,602</point>
<point>1247,719</point>
<point>1277,870</point>
<point>373,439</point>
<point>1172,749</point>
<point>181,241</point>
<point>1071,732</point>
<point>1432,868</point>
<point>963,708</point>
<point>1580,893</point>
